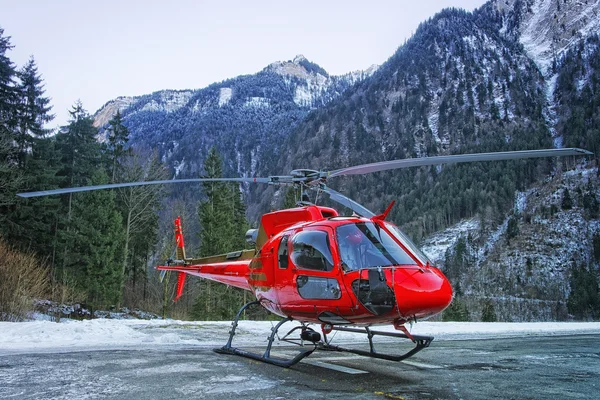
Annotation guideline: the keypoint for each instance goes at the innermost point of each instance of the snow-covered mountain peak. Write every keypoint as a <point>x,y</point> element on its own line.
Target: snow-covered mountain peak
<point>298,59</point>
<point>297,68</point>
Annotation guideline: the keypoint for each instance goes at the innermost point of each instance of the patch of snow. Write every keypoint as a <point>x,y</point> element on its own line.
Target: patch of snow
<point>179,165</point>
<point>491,242</point>
<point>303,96</point>
<point>224,96</point>
<point>558,142</point>
<point>535,36</point>
<point>520,202</point>
<point>552,27</point>
<point>436,245</point>
<point>432,121</point>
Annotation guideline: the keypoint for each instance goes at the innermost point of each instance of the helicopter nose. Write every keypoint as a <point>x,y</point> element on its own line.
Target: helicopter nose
<point>421,292</point>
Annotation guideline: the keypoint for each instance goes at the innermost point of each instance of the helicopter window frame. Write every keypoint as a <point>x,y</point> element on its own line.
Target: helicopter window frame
<point>377,248</point>
<point>406,242</point>
<point>309,260</point>
<point>283,252</point>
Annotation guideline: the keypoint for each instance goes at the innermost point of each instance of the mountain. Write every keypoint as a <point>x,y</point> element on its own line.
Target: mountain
<point>512,75</point>
<point>247,117</point>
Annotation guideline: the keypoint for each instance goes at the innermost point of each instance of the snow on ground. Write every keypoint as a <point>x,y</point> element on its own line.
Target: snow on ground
<point>104,334</point>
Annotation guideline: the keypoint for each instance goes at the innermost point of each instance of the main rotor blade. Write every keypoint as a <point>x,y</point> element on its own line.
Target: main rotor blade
<point>459,158</point>
<point>129,184</point>
<point>347,202</point>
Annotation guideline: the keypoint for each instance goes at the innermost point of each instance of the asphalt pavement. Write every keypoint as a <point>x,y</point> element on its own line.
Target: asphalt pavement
<point>564,367</point>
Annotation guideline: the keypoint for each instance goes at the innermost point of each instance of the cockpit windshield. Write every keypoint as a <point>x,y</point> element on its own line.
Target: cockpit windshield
<point>401,236</point>
<point>367,245</point>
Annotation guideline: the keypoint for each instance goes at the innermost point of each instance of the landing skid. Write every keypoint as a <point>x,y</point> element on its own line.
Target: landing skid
<point>266,356</point>
<point>309,335</point>
<point>421,342</point>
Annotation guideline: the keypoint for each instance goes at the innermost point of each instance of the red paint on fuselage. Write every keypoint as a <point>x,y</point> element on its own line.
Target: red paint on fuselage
<point>419,290</point>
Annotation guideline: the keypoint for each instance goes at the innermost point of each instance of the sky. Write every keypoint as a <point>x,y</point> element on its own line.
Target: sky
<point>97,51</point>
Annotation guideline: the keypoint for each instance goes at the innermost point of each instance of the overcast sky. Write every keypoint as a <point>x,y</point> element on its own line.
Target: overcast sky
<point>96,51</point>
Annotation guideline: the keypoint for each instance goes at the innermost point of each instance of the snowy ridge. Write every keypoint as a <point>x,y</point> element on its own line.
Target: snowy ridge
<point>170,101</point>
<point>310,86</point>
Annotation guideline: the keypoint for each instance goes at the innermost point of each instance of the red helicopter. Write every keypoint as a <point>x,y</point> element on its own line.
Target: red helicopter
<point>313,266</point>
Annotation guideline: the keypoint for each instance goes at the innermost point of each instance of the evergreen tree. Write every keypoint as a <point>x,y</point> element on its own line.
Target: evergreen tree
<point>79,151</point>
<point>9,93</point>
<point>567,203</point>
<point>223,227</point>
<point>34,109</point>
<point>31,221</point>
<point>512,228</point>
<point>456,311</point>
<point>118,136</point>
<point>584,299</point>
<point>32,224</point>
<point>9,98</point>
<point>489,312</point>
<point>215,225</point>
<point>290,198</point>
<point>76,240</point>
<point>94,244</point>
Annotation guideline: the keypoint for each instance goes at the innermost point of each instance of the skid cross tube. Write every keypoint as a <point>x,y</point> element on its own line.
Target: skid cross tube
<point>421,342</point>
<point>266,357</point>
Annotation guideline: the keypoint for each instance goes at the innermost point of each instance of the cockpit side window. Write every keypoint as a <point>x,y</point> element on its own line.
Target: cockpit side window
<point>311,250</point>
<point>282,252</point>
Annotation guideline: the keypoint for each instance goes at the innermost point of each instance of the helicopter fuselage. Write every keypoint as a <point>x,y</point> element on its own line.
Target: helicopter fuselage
<point>317,267</point>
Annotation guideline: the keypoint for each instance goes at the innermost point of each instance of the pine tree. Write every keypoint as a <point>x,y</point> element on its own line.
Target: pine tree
<point>223,226</point>
<point>80,164</point>
<point>489,313</point>
<point>95,240</point>
<point>34,109</point>
<point>10,179</point>
<point>118,136</point>
<point>290,198</point>
<point>584,299</point>
<point>567,203</point>
<point>31,221</point>
<point>79,150</point>
<point>457,311</point>
<point>9,93</point>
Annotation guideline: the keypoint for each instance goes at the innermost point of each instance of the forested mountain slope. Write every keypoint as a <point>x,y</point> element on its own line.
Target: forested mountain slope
<point>512,75</point>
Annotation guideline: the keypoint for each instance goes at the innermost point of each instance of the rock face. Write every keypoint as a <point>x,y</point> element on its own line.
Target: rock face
<point>548,28</point>
<point>524,265</point>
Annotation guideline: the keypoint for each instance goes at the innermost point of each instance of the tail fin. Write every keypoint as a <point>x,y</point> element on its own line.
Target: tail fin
<point>180,284</point>
<point>180,251</point>
<point>180,254</point>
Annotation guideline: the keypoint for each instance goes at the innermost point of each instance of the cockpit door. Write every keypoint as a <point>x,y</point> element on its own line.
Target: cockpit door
<point>315,285</point>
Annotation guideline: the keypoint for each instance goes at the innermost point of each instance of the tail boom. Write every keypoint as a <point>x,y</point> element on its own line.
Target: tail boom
<point>232,273</point>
